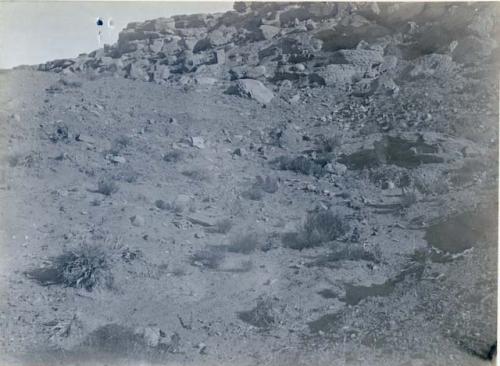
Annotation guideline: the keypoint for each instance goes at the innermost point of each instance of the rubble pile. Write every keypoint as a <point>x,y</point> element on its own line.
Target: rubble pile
<point>361,48</point>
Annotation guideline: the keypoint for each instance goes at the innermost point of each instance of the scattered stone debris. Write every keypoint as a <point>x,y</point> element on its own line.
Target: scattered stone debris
<point>253,89</point>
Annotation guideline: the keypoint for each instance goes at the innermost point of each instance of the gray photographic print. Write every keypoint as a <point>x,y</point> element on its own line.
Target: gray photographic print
<point>248,183</point>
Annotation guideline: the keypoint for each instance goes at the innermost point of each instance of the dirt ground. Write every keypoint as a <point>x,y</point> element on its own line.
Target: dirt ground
<point>198,267</point>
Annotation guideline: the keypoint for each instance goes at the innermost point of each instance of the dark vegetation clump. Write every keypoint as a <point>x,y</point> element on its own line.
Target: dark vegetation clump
<point>120,143</point>
<point>253,194</point>
<point>264,315</point>
<point>162,205</point>
<point>319,228</point>
<point>106,186</point>
<point>210,258</point>
<point>173,156</point>
<point>300,164</point>
<point>197,174</point>
<point>244,244</point>
<point>331,143</point>
<point>84,267</point>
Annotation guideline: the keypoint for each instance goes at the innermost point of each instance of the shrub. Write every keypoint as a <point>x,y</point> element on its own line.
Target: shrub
<point>264,315</point>
<point>318,228</point>
<point>173,156</point>
<point>84,267</point>
<point>300,164</point>
<point>197,174</point>
<point>210,258</point>
<point>244,244</point>
<point>119,144</point>
<point>254,194</point>
<point>106,186</point>
<point>330,144</point>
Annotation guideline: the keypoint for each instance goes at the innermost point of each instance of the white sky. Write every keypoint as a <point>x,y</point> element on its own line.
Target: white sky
<point>33,32</point>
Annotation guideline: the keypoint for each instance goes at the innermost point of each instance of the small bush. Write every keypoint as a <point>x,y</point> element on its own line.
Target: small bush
<point>106,186</point>
<point>162,205</point>
<point>331,144</point>
<point>120,143</point>
<point>197,174</point>
<point>173,156</point>
<point>264,315</point>
<point>319,227</point>
<point>70,83</point>
<point>244,244</point>
<point>300,164</point>
<point>254,194</point>
<point>128,255</point>
<point>268,185</point>
<point>178,272</point>
<point>210,258</point>
<point>84,267</point>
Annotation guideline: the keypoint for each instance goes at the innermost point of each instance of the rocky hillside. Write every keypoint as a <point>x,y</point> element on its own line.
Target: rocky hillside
<point>283,184</point>
<point>362,48</point>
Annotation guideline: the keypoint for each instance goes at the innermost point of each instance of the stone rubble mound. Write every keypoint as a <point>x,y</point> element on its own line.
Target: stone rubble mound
<point>361,48</point>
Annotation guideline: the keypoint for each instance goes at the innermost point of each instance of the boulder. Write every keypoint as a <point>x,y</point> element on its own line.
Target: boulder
<point>162,72</point>
<point>138,70</point>
<point>253,89</point>
<point>269,31</point>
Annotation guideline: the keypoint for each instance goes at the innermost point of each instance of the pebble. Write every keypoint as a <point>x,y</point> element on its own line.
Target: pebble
<point>116,159</point>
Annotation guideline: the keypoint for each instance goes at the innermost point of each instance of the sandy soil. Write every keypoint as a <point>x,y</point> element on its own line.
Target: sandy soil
<point>381,294</point>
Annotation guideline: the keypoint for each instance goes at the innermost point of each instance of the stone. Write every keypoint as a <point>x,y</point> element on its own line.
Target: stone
<point>207,81</point>
<point>340,169</point>
<point>181,202</point>
<point>162,72</point>
<point>253,89</point>
<point>200,219</point>
<point>268,31</point>
<point>221,56</point>
<point>137,220</point>
<point>198,141</point>
<point>138,70</point>
<point>152,336</point>
<point>85,138</point>
<point>116,159</point>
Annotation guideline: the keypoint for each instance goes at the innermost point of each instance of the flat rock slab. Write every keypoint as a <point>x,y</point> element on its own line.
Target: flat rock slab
<point>253,89</point>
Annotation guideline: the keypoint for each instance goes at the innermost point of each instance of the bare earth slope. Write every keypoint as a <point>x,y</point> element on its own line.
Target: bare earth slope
<point>176,223</point>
